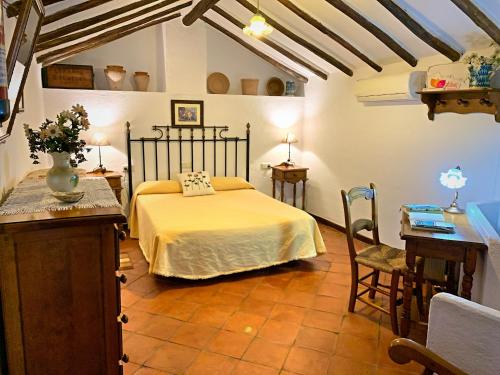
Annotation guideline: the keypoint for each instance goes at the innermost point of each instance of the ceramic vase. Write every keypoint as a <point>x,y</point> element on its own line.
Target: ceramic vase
<point>480,77</point>
<point>141,80</point>
<point>62,177</point>
<point>249,86</point>
<point>290,88</point>
<point>115,76</point>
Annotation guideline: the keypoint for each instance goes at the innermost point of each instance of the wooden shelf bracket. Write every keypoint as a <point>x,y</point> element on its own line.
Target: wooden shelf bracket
<point>485,100</point>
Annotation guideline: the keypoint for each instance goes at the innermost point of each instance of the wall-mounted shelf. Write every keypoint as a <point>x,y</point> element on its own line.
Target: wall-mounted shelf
<point>484,100</point>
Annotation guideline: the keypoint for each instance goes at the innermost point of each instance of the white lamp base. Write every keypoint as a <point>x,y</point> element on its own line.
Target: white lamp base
<point>454,208</point>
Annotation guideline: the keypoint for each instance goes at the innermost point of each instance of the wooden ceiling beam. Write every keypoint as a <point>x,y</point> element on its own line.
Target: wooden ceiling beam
<point>97,41</point>
<point>328,32</point>
<point>374,30</point>
<point>198,10</point>
<point>288,54</point>
<point>299,40</point>
<point>108,25</point>
<point>417,29</point>
<point>69,11</point>
<point>83,24</point>
<point>13,9</point>
<point>251,48</point>
<point>479,18</point>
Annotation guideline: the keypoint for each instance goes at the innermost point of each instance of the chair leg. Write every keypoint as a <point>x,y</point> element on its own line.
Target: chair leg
<point>354,286</point>
<point>392,301</point>
<point>419,280</point>
<point>371,293</point>
<point>429,292</point>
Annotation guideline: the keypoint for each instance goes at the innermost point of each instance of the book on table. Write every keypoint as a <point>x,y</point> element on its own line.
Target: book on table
<point>429,218</point>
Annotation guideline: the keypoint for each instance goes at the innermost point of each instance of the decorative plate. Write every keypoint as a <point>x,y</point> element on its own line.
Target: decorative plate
<point>275,87</point>
<point>217,83</point>
<point>68,197</point>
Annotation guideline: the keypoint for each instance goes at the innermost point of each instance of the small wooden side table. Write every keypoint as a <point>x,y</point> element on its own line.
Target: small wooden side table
<point>462,246</point>
<point>291,174</point>
<point>114,180</point>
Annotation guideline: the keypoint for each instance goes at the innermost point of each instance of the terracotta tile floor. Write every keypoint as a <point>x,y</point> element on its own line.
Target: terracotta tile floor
<point>289,319</point>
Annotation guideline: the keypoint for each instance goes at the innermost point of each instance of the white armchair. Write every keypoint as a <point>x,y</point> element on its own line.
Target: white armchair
<point>463,337</point>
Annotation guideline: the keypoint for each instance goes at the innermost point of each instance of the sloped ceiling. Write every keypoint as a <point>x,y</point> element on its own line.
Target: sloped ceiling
<point>441,17</point>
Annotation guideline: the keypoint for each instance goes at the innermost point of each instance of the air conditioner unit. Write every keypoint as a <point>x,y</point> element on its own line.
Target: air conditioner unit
<point>399,87</point>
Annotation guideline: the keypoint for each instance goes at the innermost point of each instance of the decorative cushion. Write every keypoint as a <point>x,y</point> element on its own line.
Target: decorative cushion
<point>196,183</point>
<point>230,183</point>
<point>383,258</point>
<point>158,187</point>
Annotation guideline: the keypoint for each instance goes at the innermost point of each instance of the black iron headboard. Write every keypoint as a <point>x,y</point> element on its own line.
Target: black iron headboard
<point>172,136</point>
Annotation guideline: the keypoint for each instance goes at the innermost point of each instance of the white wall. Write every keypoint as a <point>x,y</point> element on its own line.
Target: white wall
<point>222,54</point>
<point>395,146</point>
<point>141,51</point>
<point>187,51</point>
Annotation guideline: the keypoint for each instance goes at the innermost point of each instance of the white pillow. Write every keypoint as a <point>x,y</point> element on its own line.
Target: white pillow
<point>195,183</point>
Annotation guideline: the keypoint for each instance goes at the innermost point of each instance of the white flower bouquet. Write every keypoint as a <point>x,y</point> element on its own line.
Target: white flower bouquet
<point>62,135</point>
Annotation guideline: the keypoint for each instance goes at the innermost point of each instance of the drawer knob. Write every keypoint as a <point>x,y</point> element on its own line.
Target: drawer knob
<point>123,278</point>
<point>122,235</point>
<point>125,358</point>
<point>123,318</point>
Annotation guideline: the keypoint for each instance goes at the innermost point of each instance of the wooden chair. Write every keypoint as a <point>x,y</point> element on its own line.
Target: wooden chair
<point>462,338</point>
<point>379,257</point>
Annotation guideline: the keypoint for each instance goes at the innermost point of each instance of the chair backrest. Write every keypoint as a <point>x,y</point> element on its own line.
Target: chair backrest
<point>465,333</point>
<point>352,228</point>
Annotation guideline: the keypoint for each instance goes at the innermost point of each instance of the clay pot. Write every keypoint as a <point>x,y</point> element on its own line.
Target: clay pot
<point>141,80</point>
<point>115,76</point>
<point>249,86</point>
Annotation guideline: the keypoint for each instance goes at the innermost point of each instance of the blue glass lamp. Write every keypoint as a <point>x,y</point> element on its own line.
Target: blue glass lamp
<point>453,179</point>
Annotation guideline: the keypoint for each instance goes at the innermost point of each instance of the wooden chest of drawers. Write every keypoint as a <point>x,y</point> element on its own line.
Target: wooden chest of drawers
<point>60,293</point>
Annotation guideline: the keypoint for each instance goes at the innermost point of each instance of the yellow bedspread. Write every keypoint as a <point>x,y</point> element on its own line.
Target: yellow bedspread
<point>231,231</point>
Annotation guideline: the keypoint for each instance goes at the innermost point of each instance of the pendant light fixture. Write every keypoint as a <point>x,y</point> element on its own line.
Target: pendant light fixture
<point>258,26</point>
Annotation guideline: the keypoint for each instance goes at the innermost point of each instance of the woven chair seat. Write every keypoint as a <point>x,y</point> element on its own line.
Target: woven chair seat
<point>383,258</point>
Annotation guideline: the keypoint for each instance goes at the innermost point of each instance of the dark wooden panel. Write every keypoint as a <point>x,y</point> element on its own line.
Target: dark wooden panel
<point>65,76</point>
<point>63,328</point>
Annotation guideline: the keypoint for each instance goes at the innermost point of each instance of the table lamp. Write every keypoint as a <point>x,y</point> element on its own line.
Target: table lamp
<point>453,179</point>
<point>99,139</point>
<point>290,138</point>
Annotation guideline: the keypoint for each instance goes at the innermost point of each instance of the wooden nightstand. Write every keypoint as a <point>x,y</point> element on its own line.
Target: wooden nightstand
<point>292,175</point>
<point>114,180</point>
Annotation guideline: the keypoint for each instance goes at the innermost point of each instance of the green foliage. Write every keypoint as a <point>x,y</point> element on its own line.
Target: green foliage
<point>477,60</point>
<point>61,135</point>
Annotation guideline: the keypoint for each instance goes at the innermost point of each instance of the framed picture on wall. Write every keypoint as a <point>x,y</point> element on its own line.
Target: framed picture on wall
<point>187,113</point>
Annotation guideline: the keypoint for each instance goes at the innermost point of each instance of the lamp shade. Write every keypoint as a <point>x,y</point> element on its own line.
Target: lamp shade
<point>258,26</point>
<point>99,139</point>
<point>453,178</point>
<point>290,138</point>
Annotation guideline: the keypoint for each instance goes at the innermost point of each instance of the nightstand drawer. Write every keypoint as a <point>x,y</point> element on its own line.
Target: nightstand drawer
<point>295,176</point>
<point>279,175</point>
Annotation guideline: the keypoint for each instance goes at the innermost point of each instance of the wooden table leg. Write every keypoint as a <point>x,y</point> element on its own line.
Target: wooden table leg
<point>469,268</point>
<point>408,278</point>
<point>274,188</point>
<point>282,191</point>
<point>304,194</point>
<point>294,195</point>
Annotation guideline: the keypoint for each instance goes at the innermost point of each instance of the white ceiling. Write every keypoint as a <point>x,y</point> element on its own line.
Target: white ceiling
<point>441,17</point>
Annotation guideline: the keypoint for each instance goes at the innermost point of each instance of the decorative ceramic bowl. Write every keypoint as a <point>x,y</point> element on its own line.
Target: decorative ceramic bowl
<point>217,83</point>
<point>68,197</point>
<point>275,87</point>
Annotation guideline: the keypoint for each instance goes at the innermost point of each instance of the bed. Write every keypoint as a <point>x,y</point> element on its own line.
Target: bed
<point>237,229</point>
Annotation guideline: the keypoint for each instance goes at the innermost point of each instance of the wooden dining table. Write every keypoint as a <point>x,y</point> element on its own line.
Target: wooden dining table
<point>460,247</point>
